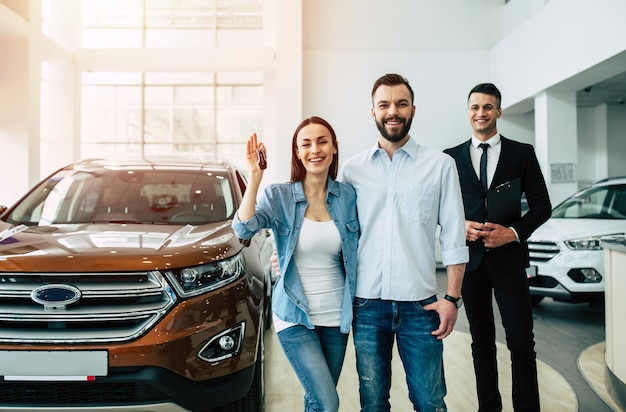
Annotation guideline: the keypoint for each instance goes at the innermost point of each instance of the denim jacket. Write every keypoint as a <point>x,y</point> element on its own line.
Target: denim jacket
<point>282,208</point>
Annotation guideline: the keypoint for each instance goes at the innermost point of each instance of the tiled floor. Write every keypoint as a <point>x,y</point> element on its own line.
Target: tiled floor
<point>284,392</point>
<point>570,350</point>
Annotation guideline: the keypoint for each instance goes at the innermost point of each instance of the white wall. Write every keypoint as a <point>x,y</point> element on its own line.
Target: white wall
<point>15,104</point>
<point>401,25</point>
<point>348,44</point>
<point>559,41</point>
<point>338,87</point>
<point>58,125</point>
<point>525,47</point>
<point>439,49</point>
<point>517,12</point>
<point>518,126</point>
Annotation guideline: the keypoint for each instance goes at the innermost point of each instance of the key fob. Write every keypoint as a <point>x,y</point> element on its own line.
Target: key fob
<point>261,159</point>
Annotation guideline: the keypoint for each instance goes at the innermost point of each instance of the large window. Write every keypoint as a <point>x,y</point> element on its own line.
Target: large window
<point>174,115</point>
<point>171,23</point>
<point>170,115</point>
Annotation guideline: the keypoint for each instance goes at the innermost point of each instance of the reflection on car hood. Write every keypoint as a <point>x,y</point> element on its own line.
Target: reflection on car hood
<point>105,247</point>
<point>559,229</point>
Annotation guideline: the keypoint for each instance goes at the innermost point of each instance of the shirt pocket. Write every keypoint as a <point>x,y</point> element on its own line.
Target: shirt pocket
<point>353,226</point>
<point>352,234</point>
<point>417,202</point>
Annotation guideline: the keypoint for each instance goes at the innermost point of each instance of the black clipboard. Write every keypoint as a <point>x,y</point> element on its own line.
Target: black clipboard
<point>504,202</point>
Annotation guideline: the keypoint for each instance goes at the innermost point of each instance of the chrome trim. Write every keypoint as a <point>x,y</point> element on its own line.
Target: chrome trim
<point>542,251</point>
<point>152,407</point>
<point>38,295</point>
<point>559,291</point>
<point>113,307</point>
<point>213,341</point>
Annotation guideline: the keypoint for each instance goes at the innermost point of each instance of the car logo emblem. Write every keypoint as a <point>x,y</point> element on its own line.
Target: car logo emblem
<point>55,296</point>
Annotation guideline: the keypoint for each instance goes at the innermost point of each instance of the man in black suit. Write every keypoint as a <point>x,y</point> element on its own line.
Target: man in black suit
<point>496,234</point>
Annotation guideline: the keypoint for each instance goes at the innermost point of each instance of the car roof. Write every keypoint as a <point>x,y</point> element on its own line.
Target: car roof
<point>106,164</point>
<point>610,180</point>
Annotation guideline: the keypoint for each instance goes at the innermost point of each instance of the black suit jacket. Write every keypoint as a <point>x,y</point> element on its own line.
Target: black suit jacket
<point>517,160</point>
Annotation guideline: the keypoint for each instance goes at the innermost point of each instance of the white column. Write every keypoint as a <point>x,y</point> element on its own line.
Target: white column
<point>616,139</point>
<point>15,120</point>
<point>60,140</point>
<point>600,139</point>
<point>556,142</point>
<point>288,81</point>
<point>615,305</point>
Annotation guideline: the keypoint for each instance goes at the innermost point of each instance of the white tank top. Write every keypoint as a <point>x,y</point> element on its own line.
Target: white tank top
<point>318,259</point>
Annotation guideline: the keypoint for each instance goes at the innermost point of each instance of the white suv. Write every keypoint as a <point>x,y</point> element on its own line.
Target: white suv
<point>566,255</point>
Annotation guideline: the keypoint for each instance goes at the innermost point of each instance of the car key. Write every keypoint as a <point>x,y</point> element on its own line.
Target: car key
<point>261,159</point>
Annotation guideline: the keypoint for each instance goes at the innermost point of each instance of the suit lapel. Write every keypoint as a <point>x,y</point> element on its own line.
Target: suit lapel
<point>465,166</point>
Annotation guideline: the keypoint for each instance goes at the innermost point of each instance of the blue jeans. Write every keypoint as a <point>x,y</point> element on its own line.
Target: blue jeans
<point>375,326</point>
<point>316,356</point>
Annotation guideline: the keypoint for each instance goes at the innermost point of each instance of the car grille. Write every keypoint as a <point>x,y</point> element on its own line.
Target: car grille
<point>543,282</point>
<point>113,307</point>
<point>78,393</point>
<point>542,251</point>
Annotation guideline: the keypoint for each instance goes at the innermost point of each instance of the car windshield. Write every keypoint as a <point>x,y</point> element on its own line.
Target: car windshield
<point>163,196</point>
<point>600,202</point>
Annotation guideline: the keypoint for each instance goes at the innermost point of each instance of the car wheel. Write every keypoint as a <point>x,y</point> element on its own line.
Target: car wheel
<point>254,401</point>
<point>535,299</point>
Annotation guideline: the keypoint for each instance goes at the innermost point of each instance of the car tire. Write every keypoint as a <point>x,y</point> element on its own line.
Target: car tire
<point>254,401</point>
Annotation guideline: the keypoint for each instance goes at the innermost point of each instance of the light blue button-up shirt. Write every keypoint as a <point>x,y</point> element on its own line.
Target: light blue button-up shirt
<point>400,202</point>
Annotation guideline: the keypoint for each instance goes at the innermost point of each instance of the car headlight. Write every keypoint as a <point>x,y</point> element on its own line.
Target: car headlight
<point>592,243</point>
<point>200,279</point>
<point>587,243</point>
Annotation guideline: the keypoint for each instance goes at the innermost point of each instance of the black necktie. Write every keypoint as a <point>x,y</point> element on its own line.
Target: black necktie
<point>483,165</point>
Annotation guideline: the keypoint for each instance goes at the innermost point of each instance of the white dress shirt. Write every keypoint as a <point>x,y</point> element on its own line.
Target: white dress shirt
<point>493,155</point>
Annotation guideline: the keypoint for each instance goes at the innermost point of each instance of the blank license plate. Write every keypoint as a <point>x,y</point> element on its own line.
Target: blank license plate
<point>53,365</point>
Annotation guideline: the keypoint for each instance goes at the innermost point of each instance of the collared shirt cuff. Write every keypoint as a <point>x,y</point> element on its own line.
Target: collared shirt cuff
<point>516,235</point>
<point>455,256</point>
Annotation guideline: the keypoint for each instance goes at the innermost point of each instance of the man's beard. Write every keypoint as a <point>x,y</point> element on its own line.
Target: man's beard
<point>395,137</point>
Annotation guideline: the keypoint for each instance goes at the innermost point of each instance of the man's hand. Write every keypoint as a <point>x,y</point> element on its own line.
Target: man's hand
<point>497,235</point>
<point>274,263</point>
<point>447,316</point>
<point>475,230</point>
<point>493,235</point>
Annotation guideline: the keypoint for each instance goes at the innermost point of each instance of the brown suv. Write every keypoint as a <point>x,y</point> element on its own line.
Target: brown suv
<point>122,286</point>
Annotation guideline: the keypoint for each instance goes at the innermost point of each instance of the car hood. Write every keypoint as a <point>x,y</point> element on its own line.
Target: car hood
<point>112,247</point>
<point>560,229</point>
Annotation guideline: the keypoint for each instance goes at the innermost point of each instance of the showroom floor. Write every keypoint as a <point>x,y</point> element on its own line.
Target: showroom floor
<point>570,350</point>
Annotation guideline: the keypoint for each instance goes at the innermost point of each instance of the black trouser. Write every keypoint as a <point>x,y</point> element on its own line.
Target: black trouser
<point>513,299</point>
